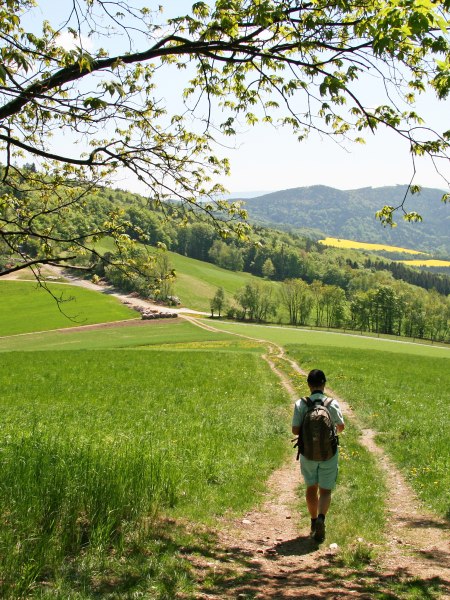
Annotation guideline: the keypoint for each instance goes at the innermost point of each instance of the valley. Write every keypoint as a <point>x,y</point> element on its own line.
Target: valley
<point>146,508</point>
<point>152,458</point>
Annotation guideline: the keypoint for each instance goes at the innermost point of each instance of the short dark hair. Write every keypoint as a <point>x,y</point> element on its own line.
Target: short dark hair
<point>316,377</point>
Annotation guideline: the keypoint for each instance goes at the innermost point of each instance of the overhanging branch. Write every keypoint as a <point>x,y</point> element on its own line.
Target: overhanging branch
<point>41,261</point>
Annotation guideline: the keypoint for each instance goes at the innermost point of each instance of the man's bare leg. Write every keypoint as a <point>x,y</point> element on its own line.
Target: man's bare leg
<point>322,507</point>
<point>312,500</point>
<point>324,501</point>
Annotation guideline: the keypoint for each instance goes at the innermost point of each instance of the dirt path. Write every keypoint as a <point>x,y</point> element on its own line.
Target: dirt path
<point>266,556</point>
<point>105,289</point>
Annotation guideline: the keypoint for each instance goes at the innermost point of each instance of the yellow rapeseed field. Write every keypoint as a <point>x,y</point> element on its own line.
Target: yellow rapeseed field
<point>426,263</point>
<point>340,243</point>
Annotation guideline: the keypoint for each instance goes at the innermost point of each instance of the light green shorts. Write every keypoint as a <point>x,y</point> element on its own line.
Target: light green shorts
<point>322,472</point>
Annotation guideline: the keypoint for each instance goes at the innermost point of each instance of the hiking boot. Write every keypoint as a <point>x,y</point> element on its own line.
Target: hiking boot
<point>312,531</point>
<point>319,534</point>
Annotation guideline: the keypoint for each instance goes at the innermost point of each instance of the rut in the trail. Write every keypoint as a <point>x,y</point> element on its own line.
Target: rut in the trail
<point>266,555</point>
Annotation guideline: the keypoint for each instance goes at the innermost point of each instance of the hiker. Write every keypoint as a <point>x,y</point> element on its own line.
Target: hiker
<point>319,475</point>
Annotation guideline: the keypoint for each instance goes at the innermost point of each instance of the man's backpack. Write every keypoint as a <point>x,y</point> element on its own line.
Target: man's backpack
<point>317,439</point>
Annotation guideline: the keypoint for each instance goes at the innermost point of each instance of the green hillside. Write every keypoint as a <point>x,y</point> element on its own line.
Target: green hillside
<point>350,214</point>
<point>24,307</point>
<point>197,281</point>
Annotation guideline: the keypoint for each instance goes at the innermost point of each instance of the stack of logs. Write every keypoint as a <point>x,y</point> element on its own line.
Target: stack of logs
<point>153,313</point>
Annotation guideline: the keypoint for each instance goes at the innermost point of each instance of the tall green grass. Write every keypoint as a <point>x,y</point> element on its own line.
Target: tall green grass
<point>94,444</point>
<point>404,398</point>
<point>25,307</point>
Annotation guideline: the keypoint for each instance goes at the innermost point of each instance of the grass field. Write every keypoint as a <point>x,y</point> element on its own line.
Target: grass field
<point>120,446</point>
<point>350,244</point>
<point>25,307</point>
<point>197,281</point>
<point>94,444</point>
<point>106,430</point>
<point>291,335</point>
<point>133,336</point>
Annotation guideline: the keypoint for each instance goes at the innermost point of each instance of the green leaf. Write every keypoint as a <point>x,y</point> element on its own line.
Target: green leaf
<point>413,217</point>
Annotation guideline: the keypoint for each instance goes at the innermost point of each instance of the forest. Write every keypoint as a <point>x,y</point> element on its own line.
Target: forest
<point>349,214</point>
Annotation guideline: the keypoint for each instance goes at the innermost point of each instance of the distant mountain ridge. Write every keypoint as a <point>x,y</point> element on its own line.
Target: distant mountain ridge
<point>350,214</point>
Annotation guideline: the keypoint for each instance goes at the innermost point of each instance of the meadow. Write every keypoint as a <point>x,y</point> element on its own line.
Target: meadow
<point>284,335</point>
<point>143,335</point>
<point>111,447</point>
<point>197,281</point>
<point>25,307</point>
<point>95,444</point>
<point>122,447</point>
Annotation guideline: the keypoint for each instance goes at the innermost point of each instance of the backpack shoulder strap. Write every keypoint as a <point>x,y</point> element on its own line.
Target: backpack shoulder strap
<point>307,400</point>
<point>326,404</point>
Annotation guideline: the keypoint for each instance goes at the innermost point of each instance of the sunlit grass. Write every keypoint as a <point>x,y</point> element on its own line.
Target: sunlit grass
<point>291,335</point>
<point>25,307</point>
<point>95,444</point>
<point>141,335</point>
<point>196,281</point>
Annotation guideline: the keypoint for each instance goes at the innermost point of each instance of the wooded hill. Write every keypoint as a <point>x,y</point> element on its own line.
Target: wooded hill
<point>350,214</point>
<point>321,286</point>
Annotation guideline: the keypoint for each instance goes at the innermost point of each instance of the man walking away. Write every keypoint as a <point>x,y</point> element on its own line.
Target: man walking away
<point>316,421</point>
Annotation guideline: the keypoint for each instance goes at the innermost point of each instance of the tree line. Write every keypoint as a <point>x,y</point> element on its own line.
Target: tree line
<point>424,279</point>
<point>387,307</point>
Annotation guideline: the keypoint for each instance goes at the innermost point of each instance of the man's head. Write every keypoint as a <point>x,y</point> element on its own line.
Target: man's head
<point>316,379</point>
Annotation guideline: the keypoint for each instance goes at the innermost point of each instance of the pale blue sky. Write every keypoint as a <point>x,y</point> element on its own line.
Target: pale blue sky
<point>266,158</point>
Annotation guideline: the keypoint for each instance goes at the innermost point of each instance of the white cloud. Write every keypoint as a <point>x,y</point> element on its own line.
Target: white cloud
<point>69,42</point>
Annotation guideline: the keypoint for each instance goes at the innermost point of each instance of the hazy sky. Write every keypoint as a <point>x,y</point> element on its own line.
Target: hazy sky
<point>267,158</point>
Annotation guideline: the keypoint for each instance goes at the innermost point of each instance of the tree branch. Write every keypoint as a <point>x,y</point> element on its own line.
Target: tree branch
<point>41,261</point>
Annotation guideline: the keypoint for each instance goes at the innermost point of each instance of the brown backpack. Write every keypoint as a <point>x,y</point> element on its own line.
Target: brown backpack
<point>317,439</point>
